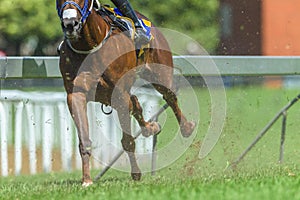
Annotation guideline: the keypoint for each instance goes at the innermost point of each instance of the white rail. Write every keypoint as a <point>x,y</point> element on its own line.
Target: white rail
<point>47,67</point>
<point>32,122</point>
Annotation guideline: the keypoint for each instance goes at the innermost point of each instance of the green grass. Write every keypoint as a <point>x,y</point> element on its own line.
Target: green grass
<point>274,183</point>
<point>258,176</point>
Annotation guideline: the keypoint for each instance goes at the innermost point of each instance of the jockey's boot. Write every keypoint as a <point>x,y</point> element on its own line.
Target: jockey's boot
<point>126,9</point>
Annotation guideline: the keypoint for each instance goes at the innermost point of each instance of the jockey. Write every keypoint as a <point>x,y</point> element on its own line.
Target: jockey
<point>126,9</point>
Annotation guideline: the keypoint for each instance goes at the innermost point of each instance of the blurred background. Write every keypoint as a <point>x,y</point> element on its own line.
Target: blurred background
<point>222,27</point>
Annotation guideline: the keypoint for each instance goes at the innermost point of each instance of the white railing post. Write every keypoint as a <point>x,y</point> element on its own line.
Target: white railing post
<point>18,136</point>
<point>4,130</point>
<point>65,131</point>
<point>47,127</point>
<point>31,137</point>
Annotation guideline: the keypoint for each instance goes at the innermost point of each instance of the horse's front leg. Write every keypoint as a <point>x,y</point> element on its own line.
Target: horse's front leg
<point>77,105</point>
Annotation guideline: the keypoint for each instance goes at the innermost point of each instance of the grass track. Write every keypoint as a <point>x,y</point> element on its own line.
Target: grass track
<point>271,184</point>
<point>259,176</point>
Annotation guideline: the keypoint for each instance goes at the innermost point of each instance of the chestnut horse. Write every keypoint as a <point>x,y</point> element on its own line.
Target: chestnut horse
<point>98,62</point>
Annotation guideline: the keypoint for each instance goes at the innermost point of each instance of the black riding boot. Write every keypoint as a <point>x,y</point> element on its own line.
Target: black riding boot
<point>125,7</point>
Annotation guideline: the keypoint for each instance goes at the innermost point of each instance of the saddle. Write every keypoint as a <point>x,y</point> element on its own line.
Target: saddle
<point>125,24</point>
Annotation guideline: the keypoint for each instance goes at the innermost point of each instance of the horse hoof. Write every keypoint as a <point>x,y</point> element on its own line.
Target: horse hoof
<point>152,128</point>
<point>136,176</point>
<point>87,184</point>
<point>187,129</point>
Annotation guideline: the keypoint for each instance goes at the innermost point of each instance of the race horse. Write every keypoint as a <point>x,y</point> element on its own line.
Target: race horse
<point>99,62</point>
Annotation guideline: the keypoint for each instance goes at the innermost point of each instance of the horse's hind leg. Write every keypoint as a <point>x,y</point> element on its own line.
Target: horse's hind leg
<point>128,143</point>
<point>148,128</point>
<point>170,97</point>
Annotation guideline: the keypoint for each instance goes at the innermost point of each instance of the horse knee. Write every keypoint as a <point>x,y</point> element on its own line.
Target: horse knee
<point>85,149</point>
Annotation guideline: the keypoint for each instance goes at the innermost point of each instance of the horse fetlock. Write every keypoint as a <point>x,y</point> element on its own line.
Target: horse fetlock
<point>152,128</point>
<point>136,176</point>
<point>187,128</point>
<point>87,184</point>
<point>87,181</point>
<point>85,150</point>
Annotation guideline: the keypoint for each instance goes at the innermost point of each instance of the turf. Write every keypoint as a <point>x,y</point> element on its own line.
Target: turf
<point>274,183</point>
<point>258,176</point>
